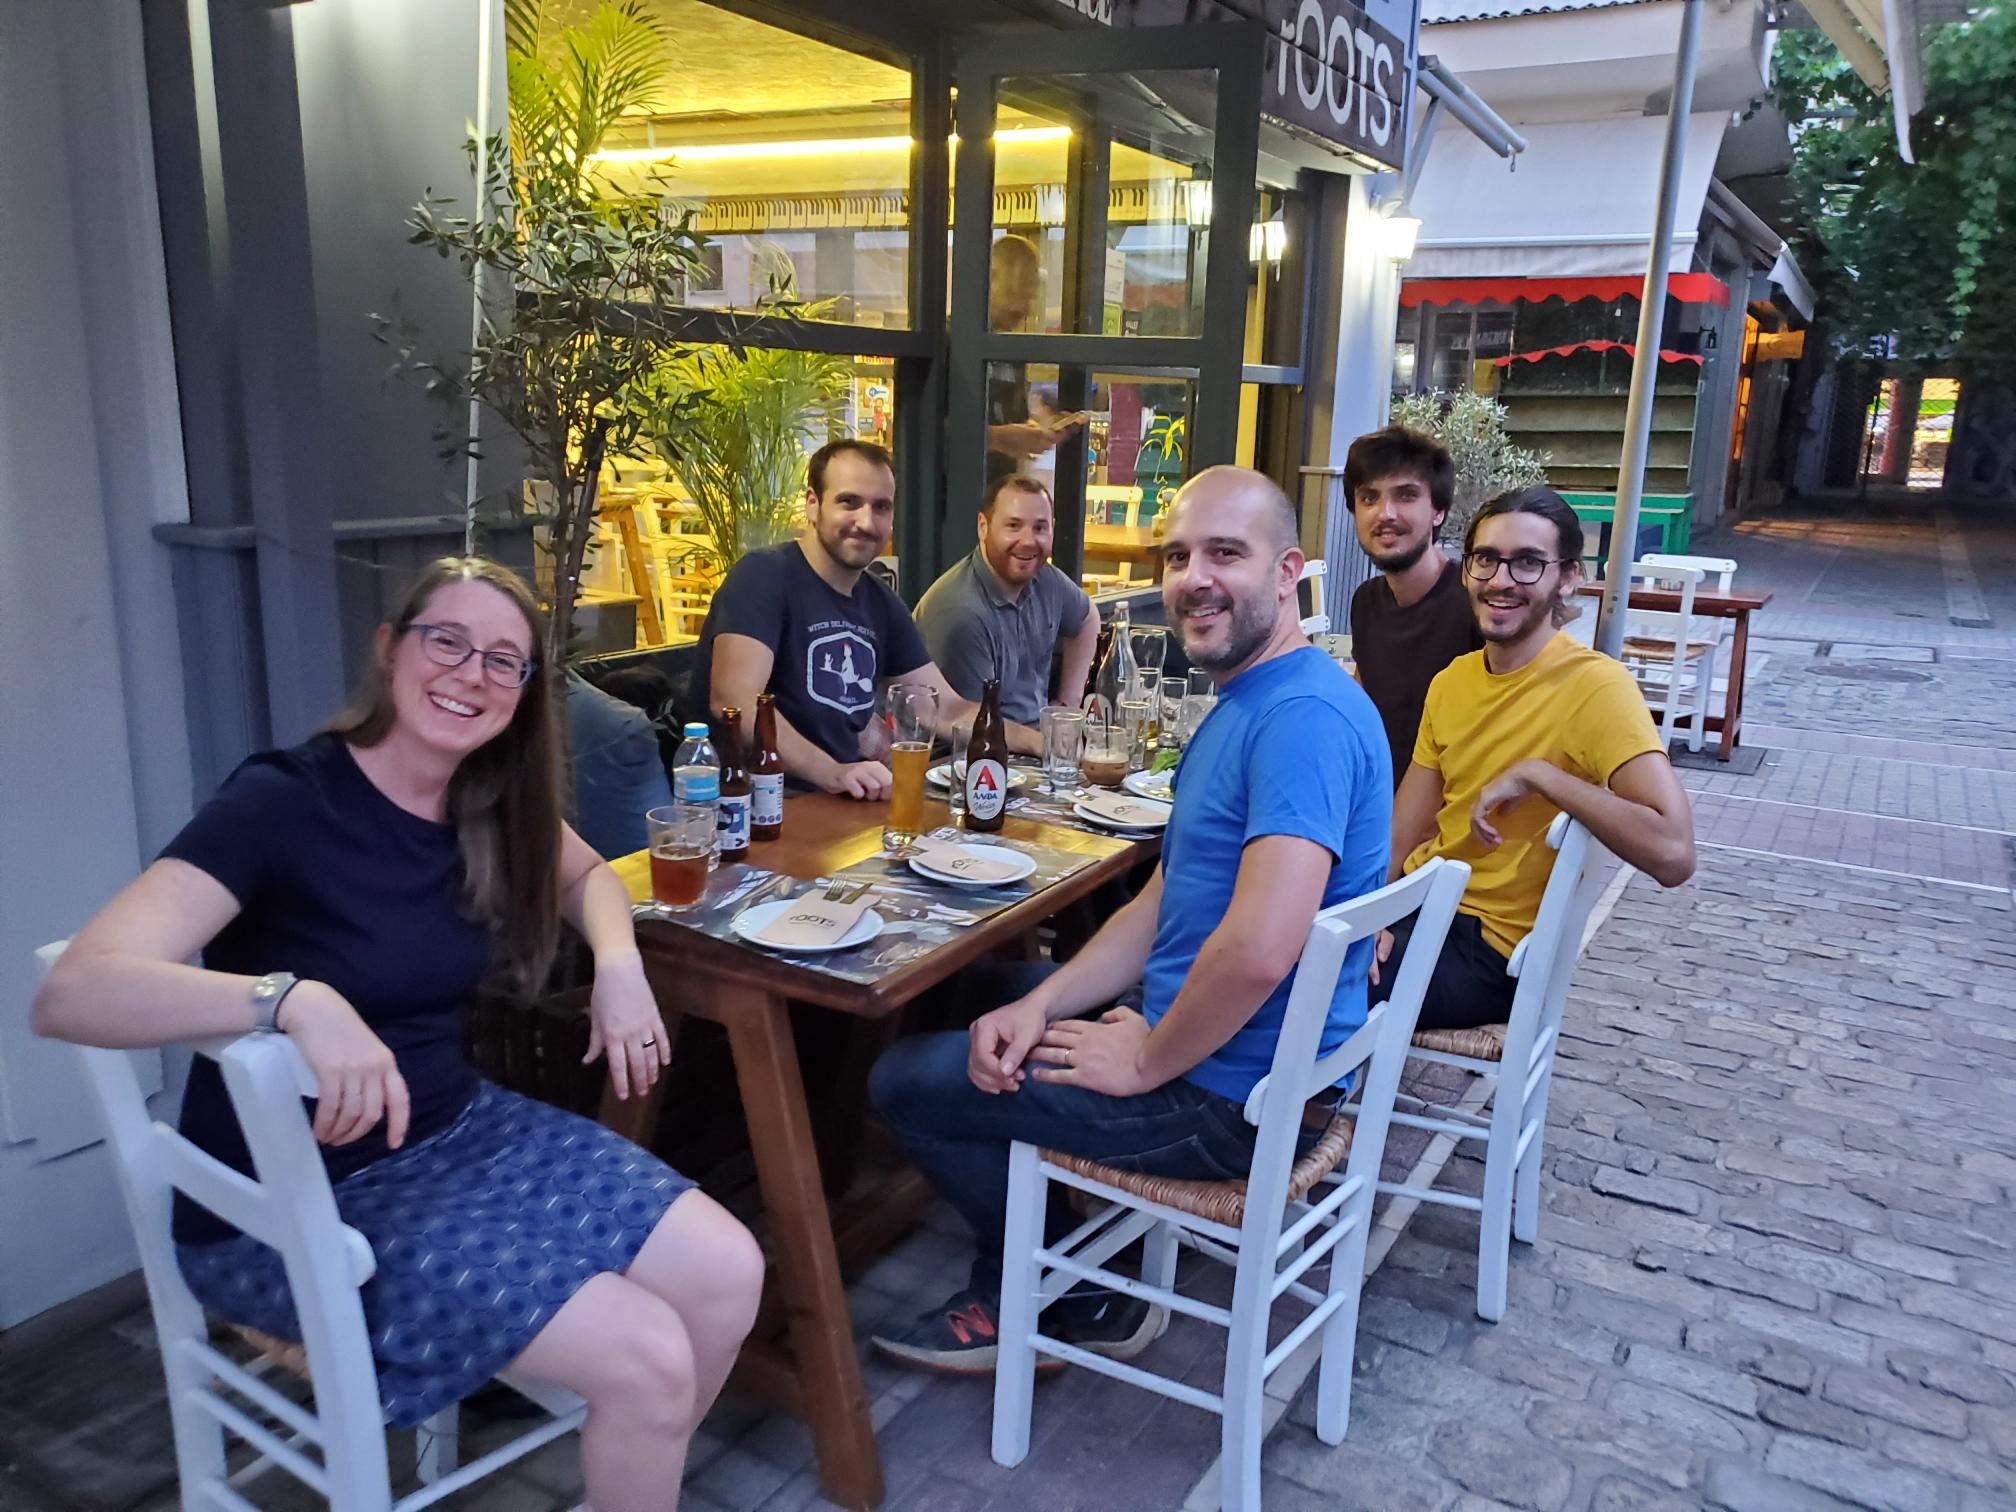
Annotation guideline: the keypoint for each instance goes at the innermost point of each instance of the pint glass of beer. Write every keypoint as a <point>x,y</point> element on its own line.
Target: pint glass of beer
<point>913,720</point>
<point>681,840</point>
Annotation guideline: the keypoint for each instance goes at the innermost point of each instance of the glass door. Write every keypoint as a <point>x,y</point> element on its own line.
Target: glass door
<point>1102,212</point>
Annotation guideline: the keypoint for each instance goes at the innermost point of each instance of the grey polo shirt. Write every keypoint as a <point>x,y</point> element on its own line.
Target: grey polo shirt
<point>973,624</point>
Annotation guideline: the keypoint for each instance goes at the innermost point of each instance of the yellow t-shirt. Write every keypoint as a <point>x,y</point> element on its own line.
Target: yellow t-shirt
<point>1570,706</point>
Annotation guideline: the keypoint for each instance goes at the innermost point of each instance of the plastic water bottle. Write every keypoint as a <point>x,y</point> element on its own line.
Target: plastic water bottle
<point>696,776</point>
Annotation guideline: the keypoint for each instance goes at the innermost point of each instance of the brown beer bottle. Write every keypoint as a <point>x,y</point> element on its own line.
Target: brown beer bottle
<point>987,764</point>
<point>732,822</point>
<point>766,774</point>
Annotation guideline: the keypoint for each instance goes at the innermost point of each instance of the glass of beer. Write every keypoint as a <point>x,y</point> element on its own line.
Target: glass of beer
<point>1137,718</point>
<point>682,842</point>
<point>913,721</point>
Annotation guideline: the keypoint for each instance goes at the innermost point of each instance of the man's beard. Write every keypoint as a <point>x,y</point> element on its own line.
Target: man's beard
<point>1405,557</point>
<point>1247,629</point>
<point>846,549</point>
<point>1551,609</point>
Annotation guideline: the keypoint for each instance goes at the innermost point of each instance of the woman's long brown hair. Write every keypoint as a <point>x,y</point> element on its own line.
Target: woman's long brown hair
<point>504,798</point>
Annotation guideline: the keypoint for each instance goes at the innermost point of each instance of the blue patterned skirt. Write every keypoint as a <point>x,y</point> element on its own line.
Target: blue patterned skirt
<point>482,1233</point>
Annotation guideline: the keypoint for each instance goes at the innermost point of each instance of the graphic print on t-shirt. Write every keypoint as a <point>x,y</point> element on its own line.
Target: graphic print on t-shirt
<point>840,668</point>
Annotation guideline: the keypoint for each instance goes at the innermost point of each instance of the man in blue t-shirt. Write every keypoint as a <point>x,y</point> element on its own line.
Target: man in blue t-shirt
<point>1283,807</point>
<point>808,622</point>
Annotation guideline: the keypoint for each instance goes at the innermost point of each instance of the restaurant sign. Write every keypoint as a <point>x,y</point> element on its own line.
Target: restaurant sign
<point>1331,69</point>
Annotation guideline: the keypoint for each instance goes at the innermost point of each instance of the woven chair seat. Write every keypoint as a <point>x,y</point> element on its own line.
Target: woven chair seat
<point>1485,1042</point>
<point>1219,1201</point>
<point>1659,648</point>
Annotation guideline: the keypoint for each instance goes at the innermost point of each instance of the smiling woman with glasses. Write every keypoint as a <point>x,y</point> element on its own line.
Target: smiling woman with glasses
<point>353,892</point>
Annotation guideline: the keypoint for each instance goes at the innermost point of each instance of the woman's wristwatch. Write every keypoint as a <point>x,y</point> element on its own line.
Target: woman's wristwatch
<point>267,995</point>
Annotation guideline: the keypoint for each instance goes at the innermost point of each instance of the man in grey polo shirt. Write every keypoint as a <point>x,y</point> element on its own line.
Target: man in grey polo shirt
<point>1003,610</point>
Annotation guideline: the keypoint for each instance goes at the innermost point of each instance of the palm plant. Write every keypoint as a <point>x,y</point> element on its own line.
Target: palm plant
<point>734,425</point>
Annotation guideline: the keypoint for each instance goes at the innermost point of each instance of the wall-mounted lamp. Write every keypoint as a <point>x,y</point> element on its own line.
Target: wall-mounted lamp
<point>1269,240</point>
<point>1400,233</point>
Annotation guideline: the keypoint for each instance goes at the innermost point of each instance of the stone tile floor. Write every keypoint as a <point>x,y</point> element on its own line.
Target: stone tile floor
<point>1777,1267</point>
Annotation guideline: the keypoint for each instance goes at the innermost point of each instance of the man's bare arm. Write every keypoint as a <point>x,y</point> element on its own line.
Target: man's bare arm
<point>741,670</point>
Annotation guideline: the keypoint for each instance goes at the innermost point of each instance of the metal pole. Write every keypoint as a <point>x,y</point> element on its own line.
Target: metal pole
<point>1645,367</point>
<point>472,488</point>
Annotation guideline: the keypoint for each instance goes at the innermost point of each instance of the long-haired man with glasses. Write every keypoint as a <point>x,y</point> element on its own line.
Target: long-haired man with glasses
<point>1533,725</point>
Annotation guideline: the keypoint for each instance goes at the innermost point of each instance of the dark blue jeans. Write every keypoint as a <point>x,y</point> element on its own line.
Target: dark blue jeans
<point>959,1136</point>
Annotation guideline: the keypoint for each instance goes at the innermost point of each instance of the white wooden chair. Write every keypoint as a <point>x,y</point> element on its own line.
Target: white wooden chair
<point>1671,656</point>
<point>1705,631</point>
<point>1243,1224</point>
<point>290,1207</point>
<point>1313,572</point>
<point>1515,1131</point>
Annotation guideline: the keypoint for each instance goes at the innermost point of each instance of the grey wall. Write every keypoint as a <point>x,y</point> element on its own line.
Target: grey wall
<point>92,745</point>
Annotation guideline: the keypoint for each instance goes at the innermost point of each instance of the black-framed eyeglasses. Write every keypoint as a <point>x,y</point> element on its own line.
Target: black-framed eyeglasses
<point>451,648</point>
<point>1525,566</point>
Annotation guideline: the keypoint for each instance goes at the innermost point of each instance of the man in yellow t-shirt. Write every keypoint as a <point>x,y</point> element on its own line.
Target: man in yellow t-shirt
<point>1533,725</point>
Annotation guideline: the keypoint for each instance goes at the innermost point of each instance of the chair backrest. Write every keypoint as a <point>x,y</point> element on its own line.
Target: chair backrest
<point>1317,621</point>
<point>1431,894</point>
<point>1544,961</point>
<point>289,1206</point>
<point>1686,581</point>
<point>1722,569</point>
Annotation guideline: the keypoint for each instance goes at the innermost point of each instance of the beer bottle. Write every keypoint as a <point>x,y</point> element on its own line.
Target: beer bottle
<point>732,823</point>
<point>766,774</point>
<point>987,764</point>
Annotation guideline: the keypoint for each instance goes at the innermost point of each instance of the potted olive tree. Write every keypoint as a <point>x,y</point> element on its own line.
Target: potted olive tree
<point>1472,428</point>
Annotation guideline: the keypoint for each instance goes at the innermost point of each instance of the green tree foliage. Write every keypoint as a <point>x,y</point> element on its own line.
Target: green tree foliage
<point>1919,252</point>
<point>1472,428</point>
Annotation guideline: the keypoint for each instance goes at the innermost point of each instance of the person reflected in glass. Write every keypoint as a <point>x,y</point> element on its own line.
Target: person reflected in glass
<point>352,893</point>
<point>1014,293</point>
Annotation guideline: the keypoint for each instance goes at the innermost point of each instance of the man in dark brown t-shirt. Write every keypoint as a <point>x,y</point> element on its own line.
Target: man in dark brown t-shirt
<point>1414,619</point>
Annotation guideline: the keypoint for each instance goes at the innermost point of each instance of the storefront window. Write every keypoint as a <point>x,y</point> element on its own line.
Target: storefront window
<point>794,156</point>
<point>1152,137</point>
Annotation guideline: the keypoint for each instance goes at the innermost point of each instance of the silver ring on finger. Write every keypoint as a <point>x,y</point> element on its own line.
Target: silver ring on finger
<point>649,1043</point>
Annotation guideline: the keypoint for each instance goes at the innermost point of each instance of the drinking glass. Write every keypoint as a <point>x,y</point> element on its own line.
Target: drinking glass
<point>1200,683</point>
<point>1137,722</point>
<point>913,721</point>
<point>1104,760</point>
<point>682,845</point>
<point>1172,691</point>
<point>1195,707</point>
<point>1151,650</point>
<point>1063,739</point>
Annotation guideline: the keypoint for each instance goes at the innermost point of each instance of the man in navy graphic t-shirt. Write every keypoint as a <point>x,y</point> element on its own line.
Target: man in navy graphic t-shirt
<point>807,622</point>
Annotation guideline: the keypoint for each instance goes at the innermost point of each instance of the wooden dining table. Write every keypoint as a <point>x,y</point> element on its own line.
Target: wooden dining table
<point>802,1356</point>
<point>1730,605</point>
<point>1134,544</point>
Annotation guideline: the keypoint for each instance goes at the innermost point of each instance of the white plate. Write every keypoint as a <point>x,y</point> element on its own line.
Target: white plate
<point>1158,786</point>
<point>1153,826</point>
<point>755,918</point>
<point>1022,860</point>
<point>940,776</point>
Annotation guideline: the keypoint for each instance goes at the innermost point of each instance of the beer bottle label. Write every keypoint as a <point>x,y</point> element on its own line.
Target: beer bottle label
<point>731,823</point>
<point>986,788</point>
<point>767,798</point>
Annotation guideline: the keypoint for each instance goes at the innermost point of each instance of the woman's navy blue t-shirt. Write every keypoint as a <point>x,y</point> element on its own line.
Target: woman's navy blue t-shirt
<point>338,884</point>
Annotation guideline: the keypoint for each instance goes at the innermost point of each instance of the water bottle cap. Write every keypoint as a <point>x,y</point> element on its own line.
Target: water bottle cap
<point>696,730</point>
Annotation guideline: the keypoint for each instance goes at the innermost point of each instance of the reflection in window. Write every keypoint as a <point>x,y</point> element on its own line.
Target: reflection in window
<point>794,157</point>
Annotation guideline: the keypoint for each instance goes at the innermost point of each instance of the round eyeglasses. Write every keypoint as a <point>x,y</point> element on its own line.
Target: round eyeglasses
<point>451,648</point>
<point>1525,566</point>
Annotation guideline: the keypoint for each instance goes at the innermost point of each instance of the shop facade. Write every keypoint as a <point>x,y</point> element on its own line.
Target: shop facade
<point>216,488</point>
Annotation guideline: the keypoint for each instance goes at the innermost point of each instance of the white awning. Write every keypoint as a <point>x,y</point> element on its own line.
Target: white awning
<point>1579,205</point>
<point>1785,274</point>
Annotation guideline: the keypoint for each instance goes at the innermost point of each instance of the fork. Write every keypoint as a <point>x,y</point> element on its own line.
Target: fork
<point>844,890</point>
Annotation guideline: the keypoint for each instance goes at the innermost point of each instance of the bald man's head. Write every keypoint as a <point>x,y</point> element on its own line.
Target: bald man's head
<point>1230,560</point>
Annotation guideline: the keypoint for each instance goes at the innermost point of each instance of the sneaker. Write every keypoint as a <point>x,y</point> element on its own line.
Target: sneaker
<point>1116,1326</point>
<point>957,1338</point>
